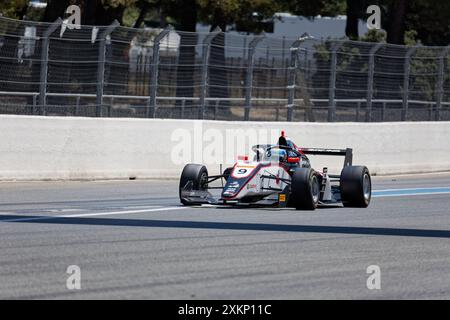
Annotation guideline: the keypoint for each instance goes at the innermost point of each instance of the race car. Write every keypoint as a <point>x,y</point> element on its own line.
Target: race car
<point>279,175</point>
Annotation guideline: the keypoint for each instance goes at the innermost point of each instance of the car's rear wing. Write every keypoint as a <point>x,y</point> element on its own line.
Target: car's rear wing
<point>347,153</point>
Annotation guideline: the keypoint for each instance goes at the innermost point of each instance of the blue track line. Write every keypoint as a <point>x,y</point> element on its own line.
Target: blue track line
<point>410,192</point>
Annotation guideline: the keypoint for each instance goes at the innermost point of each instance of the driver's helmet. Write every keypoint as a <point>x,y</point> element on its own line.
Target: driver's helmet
<point>276,155</point>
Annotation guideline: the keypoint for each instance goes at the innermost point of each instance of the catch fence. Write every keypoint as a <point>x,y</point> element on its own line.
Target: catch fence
<point>114,71</point>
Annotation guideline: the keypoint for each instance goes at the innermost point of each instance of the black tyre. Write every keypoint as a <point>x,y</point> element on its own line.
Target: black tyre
<point>356,186</point>
<point>305,189</point>
<point>196,173</point>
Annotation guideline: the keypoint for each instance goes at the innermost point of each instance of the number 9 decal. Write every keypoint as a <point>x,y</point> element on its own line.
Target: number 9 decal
<point>239,172</point>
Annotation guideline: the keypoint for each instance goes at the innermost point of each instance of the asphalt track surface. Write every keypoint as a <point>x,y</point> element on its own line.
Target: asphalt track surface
<point>132,239</point>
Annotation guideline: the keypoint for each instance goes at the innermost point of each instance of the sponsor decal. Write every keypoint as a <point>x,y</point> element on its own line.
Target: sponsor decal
<point>282,197</point>
<point>252,186</point>
<point>234,185</point>
<point>231,188</point>
<point>277,178</point>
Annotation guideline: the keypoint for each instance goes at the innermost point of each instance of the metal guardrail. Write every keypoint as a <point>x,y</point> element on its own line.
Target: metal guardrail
<point>280,103</point>
<point>91,95</point>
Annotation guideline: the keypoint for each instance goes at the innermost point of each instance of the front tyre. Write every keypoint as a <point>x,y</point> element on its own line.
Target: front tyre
<point>305,189</point>
<point>196,173</point>
<point>356,186</point>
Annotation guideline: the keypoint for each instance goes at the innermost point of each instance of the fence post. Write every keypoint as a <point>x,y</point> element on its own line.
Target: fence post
<point>34,104</point>
<point>440,83</point>
<point>151,108</point>
<point>331,95</point>
<point>216,109</point>
<point>204,79</point>
<point>249,75</point>
<point>244,51</point>
<point>358,110</point>
<point>292,73</point>
<point>111,106</point>
<point>370,81</point>
<point>44,64</point>
<point>407,71</point>
<point>101,66</point>
<point>77,105</point>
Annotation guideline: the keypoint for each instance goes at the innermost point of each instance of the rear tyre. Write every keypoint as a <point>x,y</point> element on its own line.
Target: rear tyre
<point>305,189</point>
<point>196,173</point>
<point>356,186</point>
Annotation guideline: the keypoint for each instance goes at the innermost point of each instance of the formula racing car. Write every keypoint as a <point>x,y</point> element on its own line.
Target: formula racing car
<point>279,175</point>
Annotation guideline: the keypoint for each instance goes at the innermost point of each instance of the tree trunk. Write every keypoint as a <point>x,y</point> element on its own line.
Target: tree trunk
<point>142,15</point>
<point>396,27</point>
<point>351,27</point>
<point>186,55</point>
<point>89,11</point>
<point>55,9</point>
<point>21,12</point>
<point>106,16</point>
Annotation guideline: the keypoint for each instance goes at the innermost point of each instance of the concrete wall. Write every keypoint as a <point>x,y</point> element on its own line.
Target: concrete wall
<point>38,148</point>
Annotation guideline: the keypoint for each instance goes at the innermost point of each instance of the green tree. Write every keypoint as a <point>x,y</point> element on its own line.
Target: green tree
<point>15,9</point>
<point>430,20</point>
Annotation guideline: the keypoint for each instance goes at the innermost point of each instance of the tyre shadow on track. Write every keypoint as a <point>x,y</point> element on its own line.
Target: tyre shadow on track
<point>427,233</point>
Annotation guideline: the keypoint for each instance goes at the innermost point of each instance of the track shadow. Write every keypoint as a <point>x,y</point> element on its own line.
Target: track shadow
<point>228,226</point>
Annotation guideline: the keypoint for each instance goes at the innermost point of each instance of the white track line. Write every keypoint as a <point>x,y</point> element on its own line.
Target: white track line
<point>121,212</point>
<point>81,215</point>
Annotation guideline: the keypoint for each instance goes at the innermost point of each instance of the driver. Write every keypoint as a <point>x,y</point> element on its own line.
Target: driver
<point>282,140</point>
<point>276,155</point>
<point>290,147</point>
<point>291,151</point>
